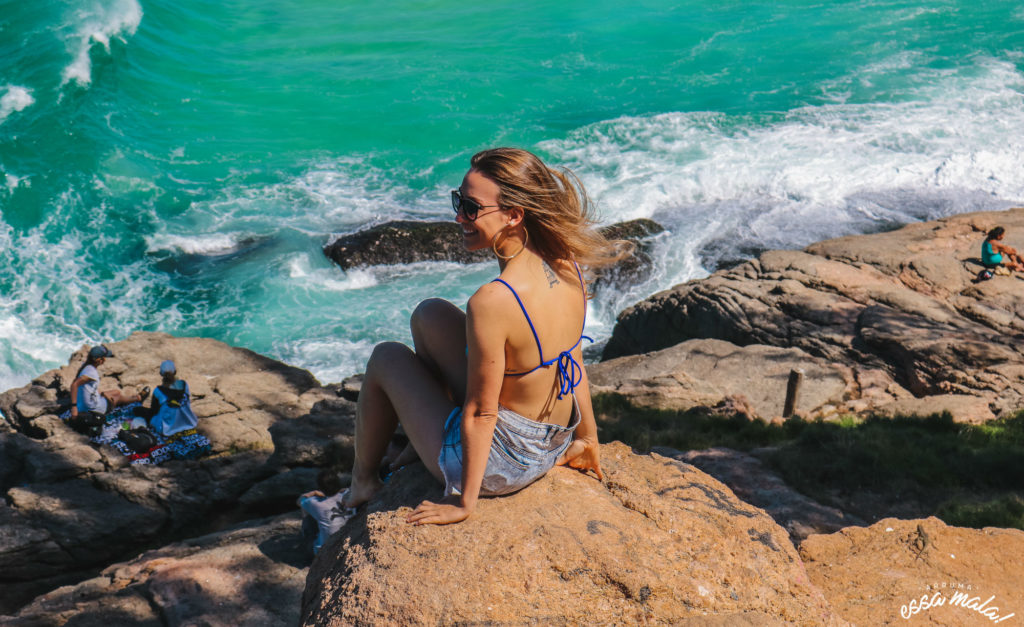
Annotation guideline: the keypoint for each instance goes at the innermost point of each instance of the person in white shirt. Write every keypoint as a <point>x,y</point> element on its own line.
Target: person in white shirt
<point>85,389</point>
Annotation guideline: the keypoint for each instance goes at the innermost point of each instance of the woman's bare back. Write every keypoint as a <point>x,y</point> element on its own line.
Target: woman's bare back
<point>554,300</point>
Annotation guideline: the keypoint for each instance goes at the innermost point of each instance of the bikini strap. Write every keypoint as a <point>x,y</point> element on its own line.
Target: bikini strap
<point>540,351</point>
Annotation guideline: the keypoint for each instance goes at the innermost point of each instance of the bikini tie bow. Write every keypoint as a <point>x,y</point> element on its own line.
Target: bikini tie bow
<point>570,373</point>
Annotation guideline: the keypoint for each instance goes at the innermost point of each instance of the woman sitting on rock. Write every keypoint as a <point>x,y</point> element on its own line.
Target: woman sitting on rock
<point>992,251</point>
<point>85,392</point>
<point>171,409</point>
<point>494,397</point>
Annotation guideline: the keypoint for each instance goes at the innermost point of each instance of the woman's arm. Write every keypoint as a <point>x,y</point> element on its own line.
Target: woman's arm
<point>486,331</point>
<point>584,453</point>
<point>74,393</point>
<point>1000,247</point>
<point>485,335</point>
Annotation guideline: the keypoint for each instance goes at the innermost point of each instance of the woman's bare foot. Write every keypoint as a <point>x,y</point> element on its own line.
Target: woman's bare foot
<point>362,490</point>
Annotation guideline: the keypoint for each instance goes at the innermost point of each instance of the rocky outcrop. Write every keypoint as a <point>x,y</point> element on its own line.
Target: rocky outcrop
<point>966,576</point>
<point>658,542</point>
<point>252,574</point>
<point>704,373</point>
<point>73,506</point>
<point>410,242</point>
<point>902,302</point>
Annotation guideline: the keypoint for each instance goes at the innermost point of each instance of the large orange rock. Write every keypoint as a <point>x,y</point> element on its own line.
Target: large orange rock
<point>659,543</point>
<point>878,575</point>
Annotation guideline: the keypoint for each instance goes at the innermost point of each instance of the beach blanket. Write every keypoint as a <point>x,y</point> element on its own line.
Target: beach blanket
<point>183,445</point>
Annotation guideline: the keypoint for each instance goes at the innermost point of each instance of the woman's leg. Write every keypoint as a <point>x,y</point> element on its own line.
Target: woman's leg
<point>115,398</point>
<point>439,335</point>
<point>397,386</point>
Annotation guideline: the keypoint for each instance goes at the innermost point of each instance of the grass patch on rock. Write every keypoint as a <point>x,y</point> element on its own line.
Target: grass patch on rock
<point>906,466</point>
<point>695,429</point>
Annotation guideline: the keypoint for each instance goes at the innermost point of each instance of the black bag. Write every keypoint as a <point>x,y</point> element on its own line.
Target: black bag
<point>139,439</point>
<point>88,423</point>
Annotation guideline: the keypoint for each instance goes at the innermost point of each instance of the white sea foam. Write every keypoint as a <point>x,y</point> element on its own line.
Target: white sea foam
<point>15,98</point>
<point>210,244</point>
<point>98,24</point>
<point>729,186</point>
<point>331,278</point>
<point>330,195</point>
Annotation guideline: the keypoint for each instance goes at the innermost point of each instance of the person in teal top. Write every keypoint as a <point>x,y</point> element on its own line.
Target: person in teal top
<point>993,252</point>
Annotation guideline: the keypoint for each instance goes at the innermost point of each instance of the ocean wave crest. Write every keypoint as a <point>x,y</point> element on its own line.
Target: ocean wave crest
<point>98,25</point>
<point>15,98</point>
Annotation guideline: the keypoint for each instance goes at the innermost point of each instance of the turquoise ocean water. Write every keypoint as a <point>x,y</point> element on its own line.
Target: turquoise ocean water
<point>178,166</point>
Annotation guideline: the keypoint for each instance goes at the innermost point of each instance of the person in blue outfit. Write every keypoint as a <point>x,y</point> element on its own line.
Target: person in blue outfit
<point>493,397</point>
<point>323,513</point>
<point>171,409</point>
<point>85,389</point>
<point>995,253</point>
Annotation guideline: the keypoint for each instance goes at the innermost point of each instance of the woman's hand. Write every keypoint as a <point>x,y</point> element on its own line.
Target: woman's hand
<point>449,510</point>
<point>583,454</point>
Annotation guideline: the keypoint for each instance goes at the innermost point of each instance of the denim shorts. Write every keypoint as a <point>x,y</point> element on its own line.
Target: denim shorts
<point>522,451</point>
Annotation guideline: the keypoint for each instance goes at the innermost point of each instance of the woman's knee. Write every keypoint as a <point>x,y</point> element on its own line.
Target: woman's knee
<point>388,353</point>
<point>430,313</point>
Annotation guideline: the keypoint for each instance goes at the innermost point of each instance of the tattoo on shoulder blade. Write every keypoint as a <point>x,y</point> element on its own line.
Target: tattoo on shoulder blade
<point>550,274</point>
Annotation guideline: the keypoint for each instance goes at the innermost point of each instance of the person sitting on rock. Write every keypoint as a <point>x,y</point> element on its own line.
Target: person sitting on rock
<point>171,409</point>
<point>493,397</point>
<point>85,388</point>
<point>993,250</point>
<point>323,512</point>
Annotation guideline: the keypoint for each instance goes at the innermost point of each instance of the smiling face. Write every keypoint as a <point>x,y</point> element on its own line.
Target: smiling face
<point>477,234</point>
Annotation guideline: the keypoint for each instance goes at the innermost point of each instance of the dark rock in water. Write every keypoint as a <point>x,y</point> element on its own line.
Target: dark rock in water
<point>409,242</point>
<point>632,230</point>
<point>403,242</point>
<point>902,301</point>
<point>636,267</point>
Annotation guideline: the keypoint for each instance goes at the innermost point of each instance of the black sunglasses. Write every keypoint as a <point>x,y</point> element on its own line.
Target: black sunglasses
<point>469,208</point>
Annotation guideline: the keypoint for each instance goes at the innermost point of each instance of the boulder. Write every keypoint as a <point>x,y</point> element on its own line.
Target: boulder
<point>871,575</point>
<point>902,302</point>
<point>704,373</point>
<point>754,483</point>
<point>658,542</point>
<point>402,242</point>
<point>252,574</point>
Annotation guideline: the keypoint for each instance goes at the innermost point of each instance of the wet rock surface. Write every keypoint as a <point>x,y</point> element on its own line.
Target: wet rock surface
<point>902,302</point>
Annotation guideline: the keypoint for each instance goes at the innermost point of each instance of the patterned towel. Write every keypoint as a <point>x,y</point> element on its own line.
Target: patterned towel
<point>182,445</point>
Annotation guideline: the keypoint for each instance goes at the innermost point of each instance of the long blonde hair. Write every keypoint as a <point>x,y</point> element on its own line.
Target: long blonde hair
<point>557,211</point>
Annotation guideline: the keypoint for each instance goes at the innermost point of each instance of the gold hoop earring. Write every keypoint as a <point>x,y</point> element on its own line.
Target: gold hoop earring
<point>494,245</point>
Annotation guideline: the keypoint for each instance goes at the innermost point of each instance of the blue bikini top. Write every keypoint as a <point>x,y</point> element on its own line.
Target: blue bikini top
<point>570,373</point>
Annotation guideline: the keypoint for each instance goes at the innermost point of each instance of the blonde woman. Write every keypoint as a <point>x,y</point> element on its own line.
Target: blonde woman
<point>494,397</point>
